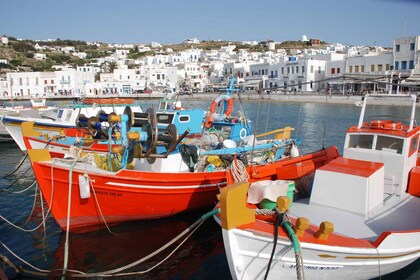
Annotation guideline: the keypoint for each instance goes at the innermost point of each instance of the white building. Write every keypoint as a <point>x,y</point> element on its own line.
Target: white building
<point>45,84</point>
<point>40,56</point>
<point>192,41</point>
<point>406,54</point>
<point>4,40</point>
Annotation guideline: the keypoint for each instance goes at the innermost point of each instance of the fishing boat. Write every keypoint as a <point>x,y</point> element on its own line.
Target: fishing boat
<point>359,221</point>
<point>154,173</point>
<point>66,117</point>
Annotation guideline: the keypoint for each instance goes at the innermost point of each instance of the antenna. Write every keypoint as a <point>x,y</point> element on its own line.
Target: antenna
<point>404,26</point>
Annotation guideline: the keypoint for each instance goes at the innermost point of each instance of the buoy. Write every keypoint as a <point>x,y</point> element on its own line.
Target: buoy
<point>84,186</point>
<point>294,151</point>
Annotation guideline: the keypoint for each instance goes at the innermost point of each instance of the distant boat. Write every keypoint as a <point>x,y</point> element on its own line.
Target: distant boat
<point>359,221</point>
<point>36,104</point>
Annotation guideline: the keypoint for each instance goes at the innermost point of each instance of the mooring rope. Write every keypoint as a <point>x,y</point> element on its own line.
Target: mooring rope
<point>66,244</point>
<point>17,166</point>
<point>28,230</point>
<point>33,205</point>
<point>115,272</point>
<point>21,191</point>
<point>99,207</point>
<point>16,180</point>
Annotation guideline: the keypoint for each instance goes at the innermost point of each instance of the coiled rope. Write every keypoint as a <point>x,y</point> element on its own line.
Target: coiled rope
<point>239,172</point>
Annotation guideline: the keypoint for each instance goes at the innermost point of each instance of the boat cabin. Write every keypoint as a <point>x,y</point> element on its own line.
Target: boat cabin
<point>379,156</point>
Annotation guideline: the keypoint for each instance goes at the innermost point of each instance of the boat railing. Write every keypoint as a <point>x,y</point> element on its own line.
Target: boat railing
<point>412,98</point>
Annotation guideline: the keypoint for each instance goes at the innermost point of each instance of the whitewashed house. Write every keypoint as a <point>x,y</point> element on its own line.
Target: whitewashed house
<point>40,56</point>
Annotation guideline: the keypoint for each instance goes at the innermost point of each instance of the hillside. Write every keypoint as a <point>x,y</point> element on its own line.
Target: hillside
<point>20,54</point>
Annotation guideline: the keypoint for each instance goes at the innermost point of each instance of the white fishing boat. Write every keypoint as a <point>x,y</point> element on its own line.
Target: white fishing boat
<point>66,117</point>
<point>360,221</point>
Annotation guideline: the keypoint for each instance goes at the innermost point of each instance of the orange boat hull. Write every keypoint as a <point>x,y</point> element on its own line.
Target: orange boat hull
<point>135,195</point>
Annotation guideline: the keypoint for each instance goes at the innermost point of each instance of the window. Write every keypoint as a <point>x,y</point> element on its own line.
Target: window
<point>332,71</point>
<point>338,70</point>
<point>282,70</point>
<point>362,68</point>
<point>372,68</point>
<point>312,68</point>
<point>303,69</point>
<point>411,64</point>
<point>319,69</point>
<point>288,70</point>
<point>158,76</point>
<point>45,82</point>
<point>350,69</point>
<point>389,144</point>
<point>163,76</point>
<point>356,68</point>
<point>184,118</point>
<point>293,70</point>
<point>380,67</point>
<point>52,82</point>
<point>403,65</point>
<point>411,46</point>
<point>387,67</point>
<point>297,69</point>
<point>397,48</point>
<point>361,141</point>
<point>20,81</point>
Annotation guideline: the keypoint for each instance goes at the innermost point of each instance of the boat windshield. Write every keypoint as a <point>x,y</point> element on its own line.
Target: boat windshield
<point>361,141</point>
<point>383,143</point>
<point>389,144</point>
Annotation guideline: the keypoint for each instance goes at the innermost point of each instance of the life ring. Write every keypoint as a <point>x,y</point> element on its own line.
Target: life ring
<point>228,109</point>
<point>393,125</point>
<point>386,124</point>
<point>379,123</point>
<point>242,133</point>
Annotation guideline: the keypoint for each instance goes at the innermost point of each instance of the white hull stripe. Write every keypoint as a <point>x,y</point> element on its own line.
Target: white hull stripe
<point>165,187</point>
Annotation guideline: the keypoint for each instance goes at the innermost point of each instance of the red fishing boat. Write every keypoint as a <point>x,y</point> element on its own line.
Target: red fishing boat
<point>80,194</point>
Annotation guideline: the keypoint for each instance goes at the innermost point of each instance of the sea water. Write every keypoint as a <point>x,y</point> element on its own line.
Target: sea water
<point>201,256</point>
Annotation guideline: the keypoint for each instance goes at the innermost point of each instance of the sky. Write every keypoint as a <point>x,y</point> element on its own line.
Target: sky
<point>354,22</point>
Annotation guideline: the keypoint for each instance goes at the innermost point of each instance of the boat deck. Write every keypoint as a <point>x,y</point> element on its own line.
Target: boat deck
<point>397,214</point>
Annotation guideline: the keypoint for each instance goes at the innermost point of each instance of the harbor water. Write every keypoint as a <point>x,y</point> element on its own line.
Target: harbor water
<point>201,255</point>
